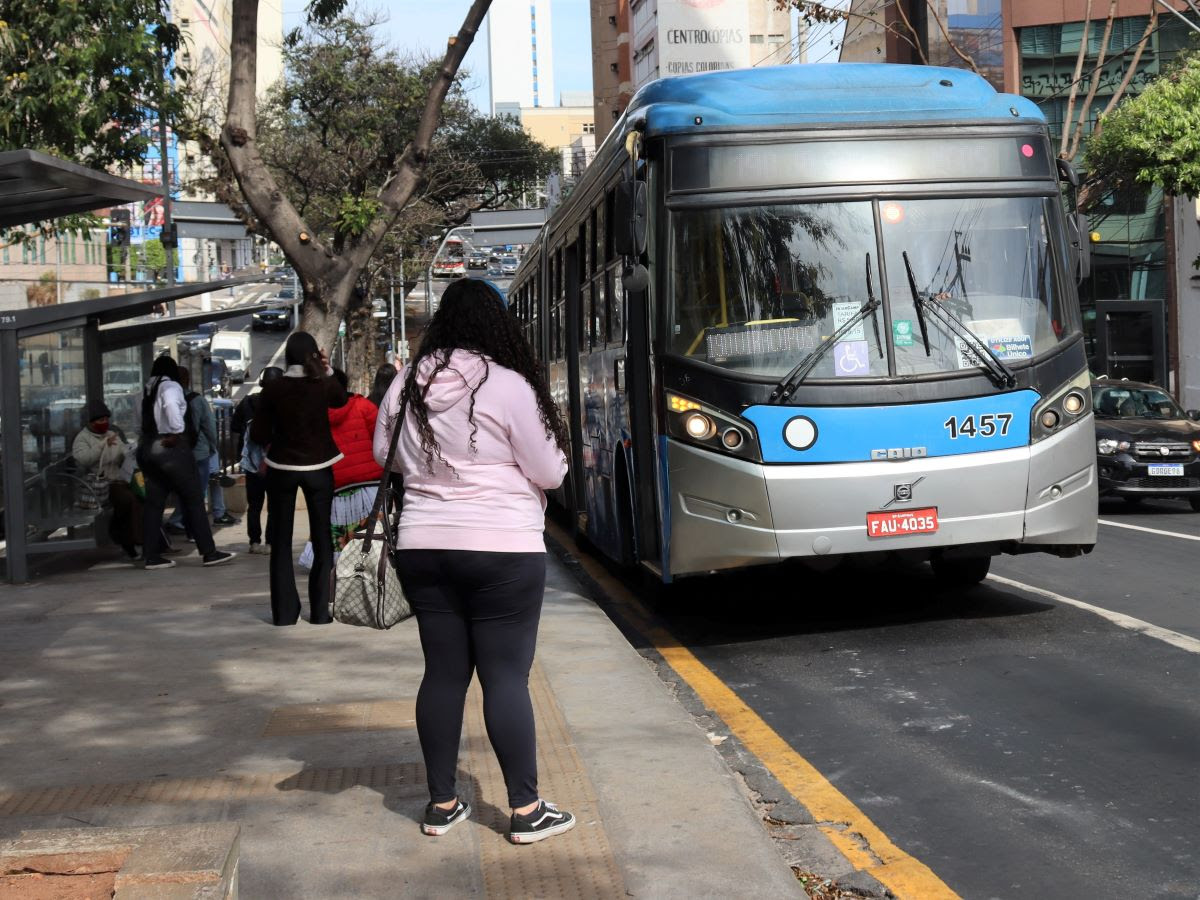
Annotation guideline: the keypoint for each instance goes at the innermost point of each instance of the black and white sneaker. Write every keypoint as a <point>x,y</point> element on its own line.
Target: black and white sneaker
<point>217,557</point>
<point>439,821</point>
<point>545,821</point>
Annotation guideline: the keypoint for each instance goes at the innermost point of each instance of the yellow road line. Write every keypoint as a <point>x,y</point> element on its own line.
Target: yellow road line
<point>847,827</point>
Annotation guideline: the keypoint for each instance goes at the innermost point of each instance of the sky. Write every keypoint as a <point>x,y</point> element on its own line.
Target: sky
<point>424,25</point>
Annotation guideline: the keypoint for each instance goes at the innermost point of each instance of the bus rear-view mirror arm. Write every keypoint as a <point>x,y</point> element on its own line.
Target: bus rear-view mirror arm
<point>1077,223</point>
<point>629,233</point>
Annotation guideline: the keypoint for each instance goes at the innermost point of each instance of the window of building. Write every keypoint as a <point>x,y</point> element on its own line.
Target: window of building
<point>589,127</point>
<point>756,38</point>
<point>774,38</point>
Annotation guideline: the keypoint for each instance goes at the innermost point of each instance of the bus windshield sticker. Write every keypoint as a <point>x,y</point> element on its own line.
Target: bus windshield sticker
<point>851,358</point>
<point>843,312</point>
<point>902,332</point>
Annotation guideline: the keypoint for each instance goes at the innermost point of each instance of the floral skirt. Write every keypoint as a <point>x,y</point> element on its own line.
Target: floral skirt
<point>350,512</point>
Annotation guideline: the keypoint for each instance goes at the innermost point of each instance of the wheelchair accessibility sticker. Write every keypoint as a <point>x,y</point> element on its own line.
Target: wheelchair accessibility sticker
<point>851,358</point>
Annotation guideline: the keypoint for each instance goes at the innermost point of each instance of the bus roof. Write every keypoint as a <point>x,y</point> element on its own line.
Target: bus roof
<point>830,94</point>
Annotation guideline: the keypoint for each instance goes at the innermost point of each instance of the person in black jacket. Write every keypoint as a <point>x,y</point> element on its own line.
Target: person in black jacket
<point>256,484</point>
<point>291,419</point>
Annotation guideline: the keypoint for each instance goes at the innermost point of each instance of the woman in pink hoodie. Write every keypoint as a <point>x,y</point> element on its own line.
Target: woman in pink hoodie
<point>481,442</point>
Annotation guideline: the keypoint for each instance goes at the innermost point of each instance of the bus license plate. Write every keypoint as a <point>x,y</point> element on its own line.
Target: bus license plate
<point>1166,470</point>
<point>902,522</point>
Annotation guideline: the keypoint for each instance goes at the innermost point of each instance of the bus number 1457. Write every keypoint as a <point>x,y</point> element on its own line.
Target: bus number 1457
<point>989,425</point>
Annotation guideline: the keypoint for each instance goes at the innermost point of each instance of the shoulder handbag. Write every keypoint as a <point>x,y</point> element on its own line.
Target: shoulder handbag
<point>366,589</point>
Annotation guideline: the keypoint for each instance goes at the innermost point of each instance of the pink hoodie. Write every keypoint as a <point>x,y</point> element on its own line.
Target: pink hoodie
<point>492,500</point>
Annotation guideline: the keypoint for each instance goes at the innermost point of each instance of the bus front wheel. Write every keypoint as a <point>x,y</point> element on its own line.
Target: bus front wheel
<point>961,571</point>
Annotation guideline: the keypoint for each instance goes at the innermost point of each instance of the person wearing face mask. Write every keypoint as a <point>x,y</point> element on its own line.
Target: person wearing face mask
<point>100,450</point>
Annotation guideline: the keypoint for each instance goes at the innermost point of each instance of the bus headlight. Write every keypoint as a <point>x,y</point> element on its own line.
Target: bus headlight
<point>1061,407</point>
<point>702,425</point>
<point>699,426</point>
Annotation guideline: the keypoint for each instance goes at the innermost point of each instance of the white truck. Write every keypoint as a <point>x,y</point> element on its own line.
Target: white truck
<point>234,348</point>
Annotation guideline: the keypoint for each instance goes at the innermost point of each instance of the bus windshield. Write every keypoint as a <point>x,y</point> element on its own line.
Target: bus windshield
<point>755,289</point>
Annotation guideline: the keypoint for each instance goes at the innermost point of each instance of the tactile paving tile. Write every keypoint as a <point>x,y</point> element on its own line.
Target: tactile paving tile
<point>328,718</point>
<point>578,864</point>
<point>396,778</point>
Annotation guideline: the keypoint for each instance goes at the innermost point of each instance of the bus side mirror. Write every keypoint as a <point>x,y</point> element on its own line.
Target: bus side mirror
<point>629,218</point>
<point>1067,173</point>
<point>1080,237</point>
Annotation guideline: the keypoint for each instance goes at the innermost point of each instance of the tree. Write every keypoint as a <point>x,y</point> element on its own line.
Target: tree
<point>331,133</point>
<point>81,77</point>
<point>329,269</point>
<point>1154,138</point>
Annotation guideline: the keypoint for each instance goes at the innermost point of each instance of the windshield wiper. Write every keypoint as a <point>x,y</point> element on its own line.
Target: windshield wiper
<point>991,363</point>
<point>788,384</point>
<point>874,314</point>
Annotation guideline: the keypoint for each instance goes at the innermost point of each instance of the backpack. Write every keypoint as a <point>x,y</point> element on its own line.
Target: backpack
<point>191,428</point>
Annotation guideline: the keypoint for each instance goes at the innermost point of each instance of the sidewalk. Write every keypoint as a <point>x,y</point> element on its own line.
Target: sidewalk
<point>135,698</point>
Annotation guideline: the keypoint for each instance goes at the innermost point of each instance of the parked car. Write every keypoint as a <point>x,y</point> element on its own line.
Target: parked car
<point>477,260</point>
<point>281,275</point>
<point>286,293</point>
<point>277,319</point>
<point>1146,445</point>
<point>494,266</point>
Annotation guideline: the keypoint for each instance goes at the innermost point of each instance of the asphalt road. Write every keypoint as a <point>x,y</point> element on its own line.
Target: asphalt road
<point>1016,744</point>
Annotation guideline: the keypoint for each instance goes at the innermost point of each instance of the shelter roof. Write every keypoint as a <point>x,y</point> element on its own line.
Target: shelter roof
<point>36,186</point>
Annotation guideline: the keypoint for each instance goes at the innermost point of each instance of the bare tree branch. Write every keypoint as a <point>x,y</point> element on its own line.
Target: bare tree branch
<point>1091,94</point>
<point>401,187</point>
<point>946,36</point>
<point>1066,128</point>
<point>1129,73</point>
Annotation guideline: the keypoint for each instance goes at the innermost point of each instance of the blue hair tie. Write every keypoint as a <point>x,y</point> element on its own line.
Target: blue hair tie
<point>495,290</point>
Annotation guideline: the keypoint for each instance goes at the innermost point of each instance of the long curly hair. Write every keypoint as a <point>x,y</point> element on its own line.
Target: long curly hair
<point>472,316</point>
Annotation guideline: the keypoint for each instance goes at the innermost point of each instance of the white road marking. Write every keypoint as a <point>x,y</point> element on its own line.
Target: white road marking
<point>1166,635</point>
<point>1186,537</point>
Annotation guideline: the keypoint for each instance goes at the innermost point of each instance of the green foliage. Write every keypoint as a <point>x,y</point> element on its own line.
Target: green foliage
<point>335,128</point>
<point>355,214</point>
<point>77,77</point>
<point>1154,138</point>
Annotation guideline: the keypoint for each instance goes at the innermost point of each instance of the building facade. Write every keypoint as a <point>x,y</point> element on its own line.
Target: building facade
<point>940,33</point>
<point>637,41</point>
<point>563,128</point>
<point>520,54</point>
<point>1142,302</point>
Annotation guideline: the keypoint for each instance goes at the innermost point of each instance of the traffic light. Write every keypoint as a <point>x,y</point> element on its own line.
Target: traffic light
<point>118,231</point>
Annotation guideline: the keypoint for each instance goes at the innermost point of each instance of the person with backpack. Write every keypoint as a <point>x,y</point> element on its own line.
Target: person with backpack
<point>201,431</point>
<point>252,457</point>
<point>168,465</point>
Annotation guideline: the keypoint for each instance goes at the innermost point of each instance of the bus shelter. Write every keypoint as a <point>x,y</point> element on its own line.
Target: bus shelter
<point>57,360</point>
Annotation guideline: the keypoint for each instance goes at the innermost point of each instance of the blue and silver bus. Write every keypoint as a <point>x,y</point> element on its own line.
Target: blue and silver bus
<point>819,311</point>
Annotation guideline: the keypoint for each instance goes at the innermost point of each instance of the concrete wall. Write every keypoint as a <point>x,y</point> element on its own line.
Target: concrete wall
<point>1187,281</point>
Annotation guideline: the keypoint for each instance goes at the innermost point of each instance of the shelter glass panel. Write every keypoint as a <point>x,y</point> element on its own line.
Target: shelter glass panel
<point>61,500</point>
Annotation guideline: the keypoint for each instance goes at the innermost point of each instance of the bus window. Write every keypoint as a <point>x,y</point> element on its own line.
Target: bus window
<point>609,252</point>
<point>616,307</point>
<point>990,261</point>
<point>593,243</point>
<point>581,246</point>
<point>599,312</point>
<point>757,288</point>
<point>585,319</point>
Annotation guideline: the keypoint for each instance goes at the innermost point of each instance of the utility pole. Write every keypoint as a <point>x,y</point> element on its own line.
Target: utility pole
<point>403,315</point>
<point>167,239</point>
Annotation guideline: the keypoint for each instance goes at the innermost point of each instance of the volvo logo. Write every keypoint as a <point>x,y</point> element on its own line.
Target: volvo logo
<point>900,453</point>
<point>902,493</point>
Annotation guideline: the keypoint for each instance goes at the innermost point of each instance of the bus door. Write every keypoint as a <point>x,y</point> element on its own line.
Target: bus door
<point>639,391</point>
<point>575,321</point>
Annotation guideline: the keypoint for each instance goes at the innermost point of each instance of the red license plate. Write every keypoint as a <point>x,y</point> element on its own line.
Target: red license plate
<point>902,522</point>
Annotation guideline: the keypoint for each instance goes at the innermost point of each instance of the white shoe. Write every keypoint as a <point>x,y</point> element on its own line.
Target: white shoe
<point>260,549</point>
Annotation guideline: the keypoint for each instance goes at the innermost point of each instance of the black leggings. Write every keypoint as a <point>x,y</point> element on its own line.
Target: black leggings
<point>476,611</point>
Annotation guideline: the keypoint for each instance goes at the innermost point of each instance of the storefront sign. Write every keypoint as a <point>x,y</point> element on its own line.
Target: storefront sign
<point>702,36</point>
